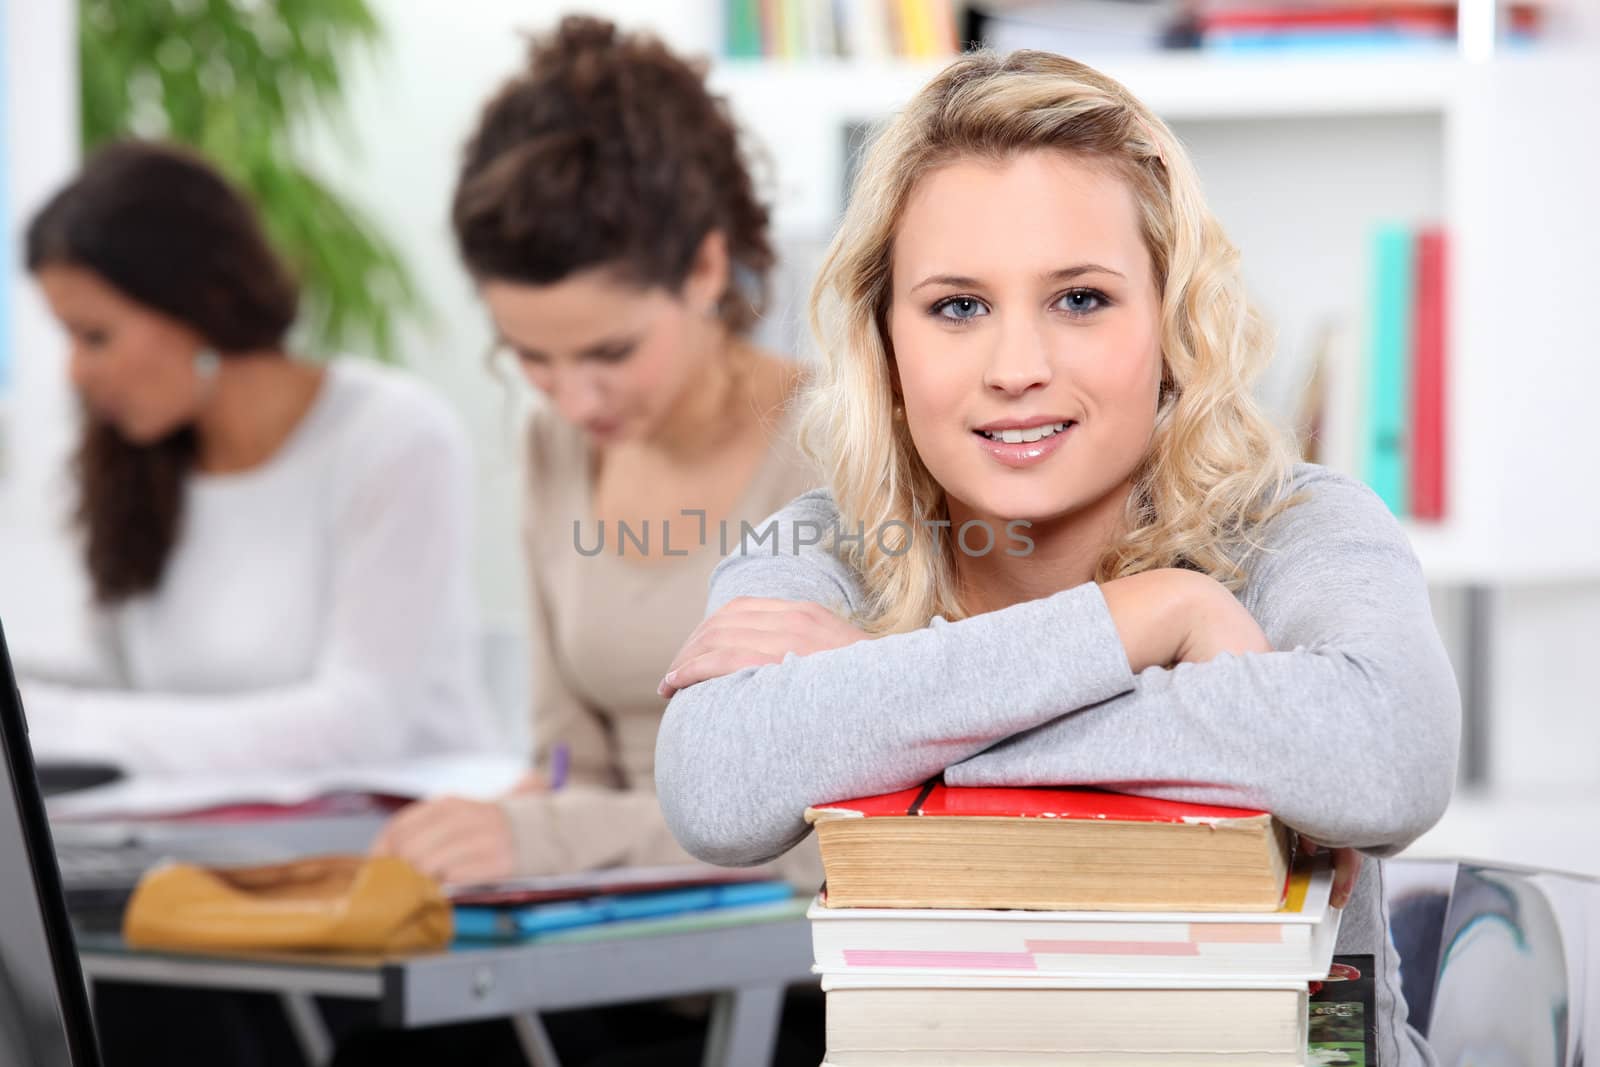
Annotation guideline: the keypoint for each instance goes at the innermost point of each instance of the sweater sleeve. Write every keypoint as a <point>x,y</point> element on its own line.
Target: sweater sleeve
<point>400,526</point>
<point>739,758</point>
<point>1349,733</point>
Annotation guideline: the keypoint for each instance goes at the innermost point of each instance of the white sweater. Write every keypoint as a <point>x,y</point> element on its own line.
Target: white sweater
<point>316,610</point>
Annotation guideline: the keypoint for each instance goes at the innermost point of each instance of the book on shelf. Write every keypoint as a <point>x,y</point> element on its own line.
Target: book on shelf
<point>1405,454</point>
<point>855,29</point>
<point>1241,25</point>
<point>938,846</point>
<point>1293,943</point>
<point>1376,405</point>
<point>1427,394</point>
<point>1082,29</point>
<point>1388,365</point>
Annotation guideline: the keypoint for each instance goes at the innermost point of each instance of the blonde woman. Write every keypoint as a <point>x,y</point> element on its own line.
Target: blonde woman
<point>1060,544</point>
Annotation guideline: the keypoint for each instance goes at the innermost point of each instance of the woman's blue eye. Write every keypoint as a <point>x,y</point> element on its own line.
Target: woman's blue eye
<point>960,308</point>
<point>1082,301</point>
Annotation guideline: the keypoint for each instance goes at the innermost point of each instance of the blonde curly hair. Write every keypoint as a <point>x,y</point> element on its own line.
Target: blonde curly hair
<point>1216,468</point>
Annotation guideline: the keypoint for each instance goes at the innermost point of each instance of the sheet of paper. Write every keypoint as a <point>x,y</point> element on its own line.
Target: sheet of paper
<point>477,776</point>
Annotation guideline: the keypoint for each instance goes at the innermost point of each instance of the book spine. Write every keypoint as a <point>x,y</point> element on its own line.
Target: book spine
<point>1343,18</point>
<point>946,32</point>
<point>771,15</point>
<point>1428,395</point>
<point>1321,40</point>
<point>743,21</point>
<point>1343,419</point>
<point>903,28</point>
<point>874,20</point>
<point>1388,349</point>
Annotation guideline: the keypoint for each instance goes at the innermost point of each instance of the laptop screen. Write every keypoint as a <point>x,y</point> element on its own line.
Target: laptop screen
<point>44,1008</point>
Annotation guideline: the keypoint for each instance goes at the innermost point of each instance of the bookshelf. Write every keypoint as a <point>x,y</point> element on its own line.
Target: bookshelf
<point>1178,85</point>
<point>1302,156</point>
<point>811,101</point>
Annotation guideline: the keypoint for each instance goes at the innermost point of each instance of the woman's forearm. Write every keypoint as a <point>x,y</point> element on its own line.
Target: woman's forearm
<point>739,758</point>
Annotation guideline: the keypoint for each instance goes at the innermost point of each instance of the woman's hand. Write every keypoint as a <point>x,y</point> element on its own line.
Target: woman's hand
<point>452,840</point>
<point>1346,869</point>
<point>1173,616</point>
<point>752,631</point>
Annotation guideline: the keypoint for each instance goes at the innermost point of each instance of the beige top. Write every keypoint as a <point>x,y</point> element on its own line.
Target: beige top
<point>605,626</point>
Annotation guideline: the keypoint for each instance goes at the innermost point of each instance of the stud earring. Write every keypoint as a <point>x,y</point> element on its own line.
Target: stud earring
<point>206,365</point>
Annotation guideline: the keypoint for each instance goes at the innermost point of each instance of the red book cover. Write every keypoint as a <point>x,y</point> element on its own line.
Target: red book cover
<point>1522,18</point>
<point>1031,803</point>
<point>1428,379</point>
<point>1362,17</point>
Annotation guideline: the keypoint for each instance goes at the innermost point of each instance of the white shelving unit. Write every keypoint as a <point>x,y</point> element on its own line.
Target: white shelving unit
<point>800,108</point>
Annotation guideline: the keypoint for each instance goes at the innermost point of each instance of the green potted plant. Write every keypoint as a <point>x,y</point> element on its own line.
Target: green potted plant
<point>235,79</point>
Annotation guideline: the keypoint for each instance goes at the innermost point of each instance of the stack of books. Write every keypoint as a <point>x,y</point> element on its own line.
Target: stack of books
<point>1383,413</point>
<point>988,927</point>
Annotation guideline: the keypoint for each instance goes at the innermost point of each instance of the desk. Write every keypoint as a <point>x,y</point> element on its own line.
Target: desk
<point>746,966</point>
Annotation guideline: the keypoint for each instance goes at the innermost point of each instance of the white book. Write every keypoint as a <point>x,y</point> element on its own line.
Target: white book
<point>866,29</point>
<point>1264,1027</point>
<point>1293,944</point>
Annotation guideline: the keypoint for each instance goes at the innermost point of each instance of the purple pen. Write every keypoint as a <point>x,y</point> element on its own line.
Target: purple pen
<point>560,756</point>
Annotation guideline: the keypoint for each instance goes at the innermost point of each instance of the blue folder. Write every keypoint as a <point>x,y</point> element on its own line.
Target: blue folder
<point>528,922</point>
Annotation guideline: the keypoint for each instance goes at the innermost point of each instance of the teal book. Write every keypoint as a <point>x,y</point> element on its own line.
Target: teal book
<point>1385,467</point>
<point>744,28</point>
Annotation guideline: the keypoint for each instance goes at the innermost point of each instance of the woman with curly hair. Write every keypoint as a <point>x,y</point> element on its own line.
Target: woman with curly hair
<point>608,218</point>
<point>1059,542</point>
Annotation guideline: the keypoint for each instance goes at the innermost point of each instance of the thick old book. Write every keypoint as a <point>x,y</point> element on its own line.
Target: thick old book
<point>1048,849</point>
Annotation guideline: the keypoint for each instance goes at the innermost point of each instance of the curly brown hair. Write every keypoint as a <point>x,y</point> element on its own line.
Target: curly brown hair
<point>608,151</point>
<point>162,226</point>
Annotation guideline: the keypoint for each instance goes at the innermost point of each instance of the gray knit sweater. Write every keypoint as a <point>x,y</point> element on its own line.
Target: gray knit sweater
<point>1349,733</point>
